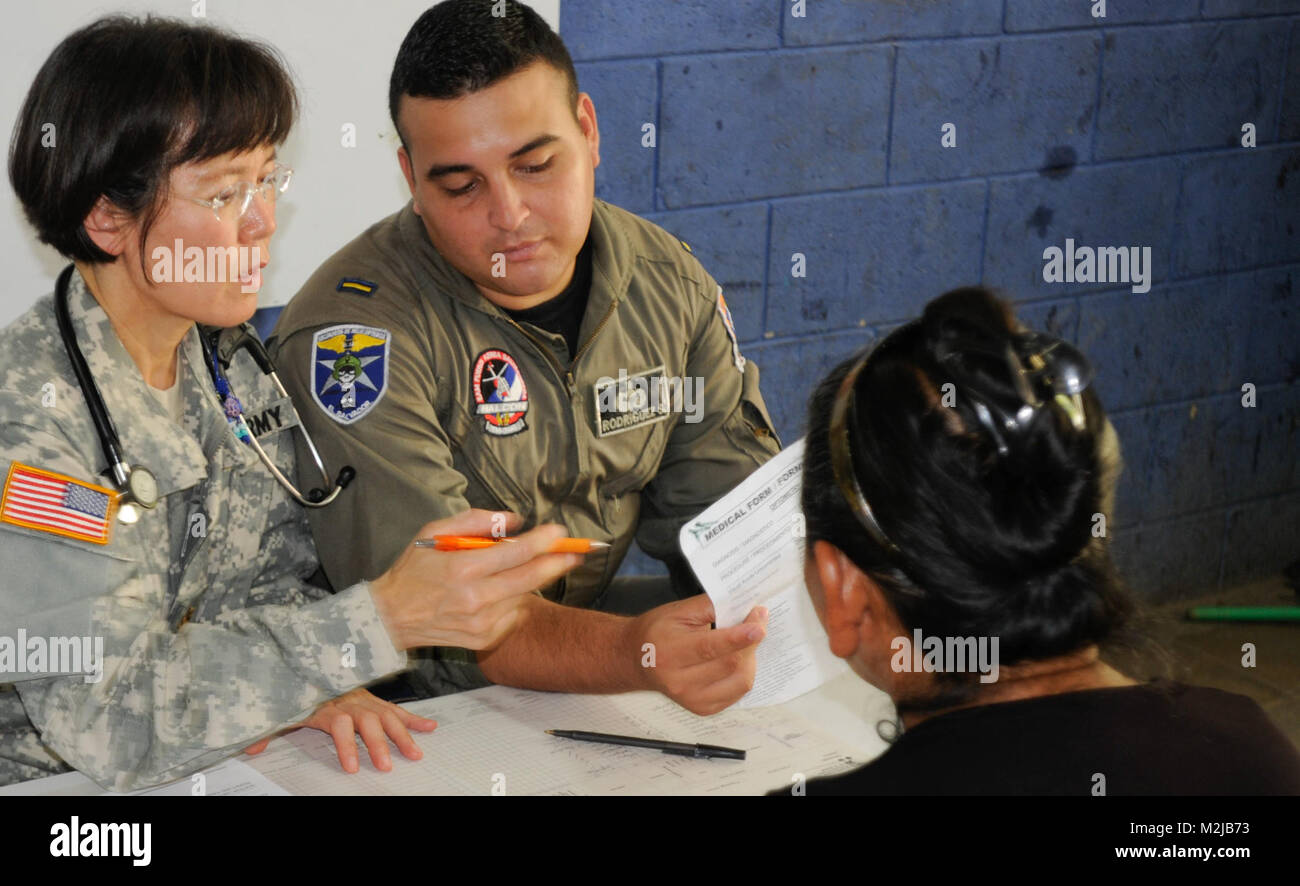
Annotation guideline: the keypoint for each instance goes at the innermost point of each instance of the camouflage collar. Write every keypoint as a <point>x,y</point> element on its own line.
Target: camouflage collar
<point>177,457</point>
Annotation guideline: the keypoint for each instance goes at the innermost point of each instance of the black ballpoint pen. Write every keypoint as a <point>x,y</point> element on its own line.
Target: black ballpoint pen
<point>668,747</point>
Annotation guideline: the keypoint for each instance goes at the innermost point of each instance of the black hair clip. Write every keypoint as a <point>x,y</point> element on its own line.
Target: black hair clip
<point>1043,370</point>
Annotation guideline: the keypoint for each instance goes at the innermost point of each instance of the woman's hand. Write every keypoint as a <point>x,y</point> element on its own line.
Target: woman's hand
<point>470,599</point>
<point>375,720</point>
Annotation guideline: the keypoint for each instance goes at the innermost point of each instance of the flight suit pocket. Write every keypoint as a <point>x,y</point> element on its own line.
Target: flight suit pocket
<point>750,427</point>
<point>645,466</point>
<point>489,483</point>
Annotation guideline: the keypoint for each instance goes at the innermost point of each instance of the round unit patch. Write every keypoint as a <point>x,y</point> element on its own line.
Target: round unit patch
<point>500,393</point>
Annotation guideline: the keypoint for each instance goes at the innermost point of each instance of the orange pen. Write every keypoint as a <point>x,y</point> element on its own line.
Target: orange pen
<point>474,543</point>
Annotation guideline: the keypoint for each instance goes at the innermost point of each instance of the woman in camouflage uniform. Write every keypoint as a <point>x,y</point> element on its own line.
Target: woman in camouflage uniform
<point>139,643</point>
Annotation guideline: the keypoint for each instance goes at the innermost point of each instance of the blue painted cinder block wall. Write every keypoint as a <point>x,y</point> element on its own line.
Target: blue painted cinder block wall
<point>820,134</point>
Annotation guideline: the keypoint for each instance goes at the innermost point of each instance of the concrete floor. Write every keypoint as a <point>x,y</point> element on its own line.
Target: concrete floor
<point>1209,653</point>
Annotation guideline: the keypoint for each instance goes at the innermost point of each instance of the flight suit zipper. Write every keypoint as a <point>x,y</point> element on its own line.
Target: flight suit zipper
<point>566,374</point>
<point>609,312</point>
<point>546,352</point>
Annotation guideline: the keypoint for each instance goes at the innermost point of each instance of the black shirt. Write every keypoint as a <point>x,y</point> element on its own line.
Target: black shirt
<point>563,313</point>
<point>1160,738</point>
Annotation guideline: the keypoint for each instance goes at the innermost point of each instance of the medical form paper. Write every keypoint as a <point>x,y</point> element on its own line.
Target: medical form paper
<point>492,742</point>
<point>748,550</point>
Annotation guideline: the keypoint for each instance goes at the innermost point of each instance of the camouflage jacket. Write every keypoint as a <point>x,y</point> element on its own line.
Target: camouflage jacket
<point>212,638</point>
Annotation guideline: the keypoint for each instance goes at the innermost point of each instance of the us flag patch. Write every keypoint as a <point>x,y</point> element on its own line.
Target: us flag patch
<point>54,503</point>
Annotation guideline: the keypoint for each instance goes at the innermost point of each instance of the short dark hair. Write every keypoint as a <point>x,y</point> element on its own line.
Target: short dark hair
<point>989,544</point>
<point>130,100</point>
<point>460,46</point>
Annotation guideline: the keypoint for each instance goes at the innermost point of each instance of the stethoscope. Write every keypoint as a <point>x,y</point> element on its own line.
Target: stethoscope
<point>135,483</point>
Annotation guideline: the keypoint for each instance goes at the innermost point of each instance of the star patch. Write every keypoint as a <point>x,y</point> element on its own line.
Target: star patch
<point>349,370</point>
<point>500,395</point>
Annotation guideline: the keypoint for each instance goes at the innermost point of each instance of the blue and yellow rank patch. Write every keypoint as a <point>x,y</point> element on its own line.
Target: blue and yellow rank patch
<point>349,365</point>
<point>356,285</point>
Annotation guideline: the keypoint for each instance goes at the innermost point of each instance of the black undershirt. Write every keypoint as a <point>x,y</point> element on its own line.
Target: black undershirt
<point>563,314</point>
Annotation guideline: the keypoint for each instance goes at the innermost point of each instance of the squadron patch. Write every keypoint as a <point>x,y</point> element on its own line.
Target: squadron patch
<point>349,370</point>
<point>500,395</point>
<point>731,331</point>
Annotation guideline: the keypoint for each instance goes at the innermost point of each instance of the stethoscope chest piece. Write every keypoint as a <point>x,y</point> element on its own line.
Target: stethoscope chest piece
<point>140,492</point>
<point>142,487</point>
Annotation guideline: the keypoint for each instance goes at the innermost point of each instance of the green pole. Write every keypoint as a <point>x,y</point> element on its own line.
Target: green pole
<point>1244,613</point>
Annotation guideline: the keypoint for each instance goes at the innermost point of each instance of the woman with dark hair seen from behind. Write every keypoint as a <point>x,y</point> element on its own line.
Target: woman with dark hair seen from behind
<point>954,480</point>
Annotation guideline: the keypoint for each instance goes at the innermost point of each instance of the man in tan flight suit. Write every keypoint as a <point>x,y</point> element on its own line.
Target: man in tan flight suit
<point>508,342</point>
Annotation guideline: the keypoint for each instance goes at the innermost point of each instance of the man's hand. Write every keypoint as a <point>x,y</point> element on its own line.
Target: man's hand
<point>466,598</point>
<point>373,718</point>
<point>702,669</point>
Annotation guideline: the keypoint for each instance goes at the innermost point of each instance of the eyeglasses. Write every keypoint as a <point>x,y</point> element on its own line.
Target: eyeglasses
<point>232,203</point>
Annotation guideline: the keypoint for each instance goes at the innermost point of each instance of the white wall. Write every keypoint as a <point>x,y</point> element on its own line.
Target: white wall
<point>341,53</point>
